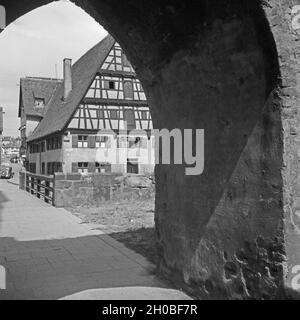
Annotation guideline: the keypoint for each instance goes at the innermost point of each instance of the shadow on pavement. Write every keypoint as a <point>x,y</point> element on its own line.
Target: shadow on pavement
<point>54,269</point>
<point>142,241</point>
<point>43,263</point>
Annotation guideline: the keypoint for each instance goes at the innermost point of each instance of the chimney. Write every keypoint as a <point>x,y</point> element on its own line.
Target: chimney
<point>67,77</point>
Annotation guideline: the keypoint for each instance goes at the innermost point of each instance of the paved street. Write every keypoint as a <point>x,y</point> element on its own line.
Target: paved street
<point>48,253</point>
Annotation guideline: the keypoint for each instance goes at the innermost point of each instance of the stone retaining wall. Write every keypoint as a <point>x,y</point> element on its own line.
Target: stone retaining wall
<point>93,189</point>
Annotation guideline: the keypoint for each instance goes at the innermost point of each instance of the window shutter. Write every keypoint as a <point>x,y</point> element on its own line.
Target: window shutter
<point>106,84</point>
<point>92,167</point>
<point>74,167</point>
<point>92,142</point>
<point>75,141</point>
<point>128,89</point>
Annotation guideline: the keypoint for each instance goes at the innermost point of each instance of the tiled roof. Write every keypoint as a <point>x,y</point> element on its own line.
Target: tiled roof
<point>31,88</point>
<point>59,112</point>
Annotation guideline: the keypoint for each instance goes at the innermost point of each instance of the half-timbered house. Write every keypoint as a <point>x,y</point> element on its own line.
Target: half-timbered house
<point>97,119</point>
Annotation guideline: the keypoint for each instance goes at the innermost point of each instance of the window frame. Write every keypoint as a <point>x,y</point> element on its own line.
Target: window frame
<point>83,167</point>
<point>101,141</point>
<point>107,84</point>
<point>83,143</point>
<point>100,165</point>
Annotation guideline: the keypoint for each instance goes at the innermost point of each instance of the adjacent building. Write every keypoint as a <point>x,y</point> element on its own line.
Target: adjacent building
<point>35,94</point>
<point>96,119</point>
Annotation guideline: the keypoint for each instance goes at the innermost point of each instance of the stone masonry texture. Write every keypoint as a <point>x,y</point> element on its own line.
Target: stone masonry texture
<point>94,189</point>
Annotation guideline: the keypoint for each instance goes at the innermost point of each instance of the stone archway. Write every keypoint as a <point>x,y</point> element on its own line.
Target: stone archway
<point>229,67</point>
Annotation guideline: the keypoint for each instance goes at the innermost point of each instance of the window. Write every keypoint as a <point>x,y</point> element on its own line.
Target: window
<point>39,102</point>
<point>49,168</point>
<point>109,85</point>
<point>144,115</point>
<point>56,142</point>
<point>52,167</point>
<point>101,142</point>
<point>59,142</point>
<point>83,142</point>
<point>132,166</point>
<point>98,167</point>
<point>32,167</point>
<point>53,143</point>
<point>27,165</point>
<point>49,145</point>
<point>43,146</point>
<point>114,114</point>
<point>83,167</point>
<point>112,85</point>
<point>58,167</point>
<point>103,167</point>
<point>34,148</point>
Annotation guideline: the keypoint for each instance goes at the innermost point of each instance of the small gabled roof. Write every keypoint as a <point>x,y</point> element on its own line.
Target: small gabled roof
<point>58,111</point>
<point>32,88</point>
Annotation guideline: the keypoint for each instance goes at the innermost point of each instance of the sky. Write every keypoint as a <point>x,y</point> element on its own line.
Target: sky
<point>38,42</point>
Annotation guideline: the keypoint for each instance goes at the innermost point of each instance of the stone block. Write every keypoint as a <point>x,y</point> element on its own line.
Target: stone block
<point>74,176</point>
<point>63,184</point>
<point>137,181</point>
<point>59,176</point>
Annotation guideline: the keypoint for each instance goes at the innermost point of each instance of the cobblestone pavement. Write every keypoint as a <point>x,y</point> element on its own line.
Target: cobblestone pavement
<point>47,253</point>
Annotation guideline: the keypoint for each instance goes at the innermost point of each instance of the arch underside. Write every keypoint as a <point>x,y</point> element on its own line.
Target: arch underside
<point>214,65</point>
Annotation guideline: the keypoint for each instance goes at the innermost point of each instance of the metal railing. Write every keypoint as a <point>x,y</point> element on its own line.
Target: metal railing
<point>40,186</point>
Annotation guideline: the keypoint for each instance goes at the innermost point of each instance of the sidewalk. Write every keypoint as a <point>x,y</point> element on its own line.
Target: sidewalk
<point>48,253</point>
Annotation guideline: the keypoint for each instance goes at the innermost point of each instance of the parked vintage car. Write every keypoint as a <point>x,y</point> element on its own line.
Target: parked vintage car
<point>6,172</point>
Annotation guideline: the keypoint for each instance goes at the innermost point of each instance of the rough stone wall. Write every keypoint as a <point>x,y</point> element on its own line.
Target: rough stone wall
<point>280,16</point>
<point>93,189</point>
<point>232,70</point>
<point>232,213</point>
